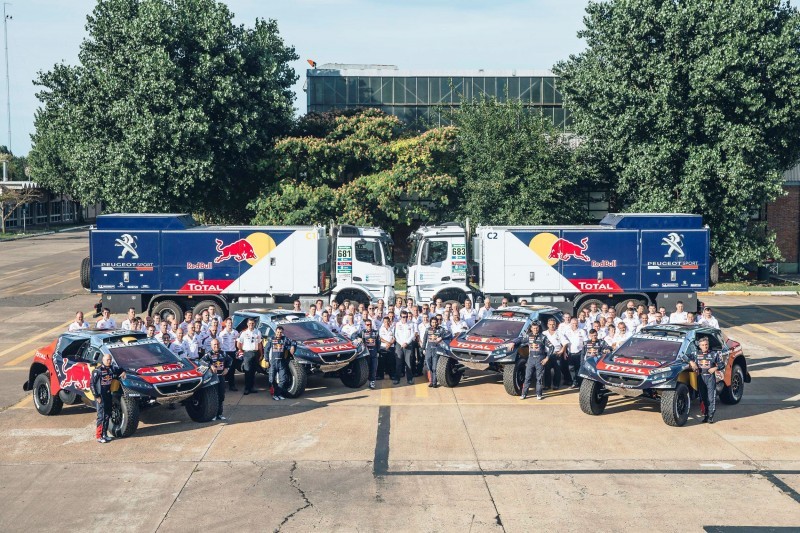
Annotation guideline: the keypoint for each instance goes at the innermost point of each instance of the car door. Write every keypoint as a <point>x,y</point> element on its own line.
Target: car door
<point>73,370</point>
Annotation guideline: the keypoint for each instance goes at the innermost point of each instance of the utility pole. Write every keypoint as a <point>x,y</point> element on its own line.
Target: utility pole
<point>8,78</point>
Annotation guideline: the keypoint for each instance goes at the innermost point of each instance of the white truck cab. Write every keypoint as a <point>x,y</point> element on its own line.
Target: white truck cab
<point>362,266</point>
<point>438,266</point>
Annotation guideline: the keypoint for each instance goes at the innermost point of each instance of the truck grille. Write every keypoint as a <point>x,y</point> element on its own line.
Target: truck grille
<point>337,357</point>
<point>615,379</point>
<point>179,387</point>
<point>474,357</point>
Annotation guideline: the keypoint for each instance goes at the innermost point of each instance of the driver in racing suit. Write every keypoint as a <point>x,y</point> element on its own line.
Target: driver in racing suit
<point>280,347</point>
<point>434,339</point>
<point>102,377</point>
<point>220,364</point>
<point>539,351</point>
<point>706,363</point>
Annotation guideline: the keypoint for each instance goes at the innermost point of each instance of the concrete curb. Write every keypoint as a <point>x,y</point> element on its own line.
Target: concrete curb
<point>749,293</point>
<point>52,232</point>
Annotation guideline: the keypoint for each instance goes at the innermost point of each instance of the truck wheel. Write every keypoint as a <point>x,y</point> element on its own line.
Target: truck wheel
<point>733,394</point>
<point>124,416</point>
<point>447,372</point>
<point>86,268</point>
<point>514,377</point>
<point>586,303</point>
<point>355,374</point>
<point>592,398</point>
<point>675,405</point>
<point>203,404</point>
<point>204,305</point>
<point>713,273</point>
<point>299,379</point>
<point>168,307</point>
<point>43,399</point>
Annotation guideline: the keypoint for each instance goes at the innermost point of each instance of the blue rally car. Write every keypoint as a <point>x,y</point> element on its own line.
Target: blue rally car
<point>318,350</point>
<point>654,364</point>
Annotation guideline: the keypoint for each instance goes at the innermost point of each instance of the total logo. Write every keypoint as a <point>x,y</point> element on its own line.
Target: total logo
<point>592,285</point>
<point>175,377</point>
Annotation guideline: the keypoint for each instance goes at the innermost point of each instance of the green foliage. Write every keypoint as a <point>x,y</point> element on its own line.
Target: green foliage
<point>359,168</point>
<point>172,108</point>
<point>516,168</point>
<point>694,106</point>
<point>15,169</point>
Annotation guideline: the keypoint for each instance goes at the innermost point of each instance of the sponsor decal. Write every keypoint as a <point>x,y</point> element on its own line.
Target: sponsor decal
<point>458,258</point>
<point>143,267</point>
<point>178,376</point>
<point>128,244</point>
<point>657,338</point>
<point>41,355</point>
<point>171,367</point>
<point>592,285</point>
<point>493,340</point>
<point>563,250</point>
<point>637,370</point>
<point>240,250</point>
<point>640,362</point>
<point>344,260</point>
<point>605,263</point>
<point>508,317</point>
<point>329,345</point>
<point>209,286</point>
<point>199,266</point>
<point>675,244</point>
<point>472,345</point>
<point>75,374</point>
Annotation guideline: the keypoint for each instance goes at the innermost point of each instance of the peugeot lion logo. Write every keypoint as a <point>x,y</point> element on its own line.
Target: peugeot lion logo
<point>128,244</point>
<point>675,243</point>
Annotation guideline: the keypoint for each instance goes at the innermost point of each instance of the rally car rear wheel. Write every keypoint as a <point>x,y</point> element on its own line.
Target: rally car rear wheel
<point>675,405</point>
<point>356,374</point>
<point>299,379</point>
<point>203,404</point>
<point>43,399</point>
<point>124,416</point>
<point>447,372</point>
<point>514,377</point>
<point>733,394</point>
<point>593,397</point>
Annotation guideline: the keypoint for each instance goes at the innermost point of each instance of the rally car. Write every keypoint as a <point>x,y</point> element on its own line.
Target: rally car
<point>654,364</point>
<point>61,373</point>
<point>495,343</point>
<point>318,349</point>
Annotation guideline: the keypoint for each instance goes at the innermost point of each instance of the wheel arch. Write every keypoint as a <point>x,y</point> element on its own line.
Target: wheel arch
<point>35,370</point>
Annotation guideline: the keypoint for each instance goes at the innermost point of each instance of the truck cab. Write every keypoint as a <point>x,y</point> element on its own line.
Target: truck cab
<point>438,265</point>
<point>363,266</point>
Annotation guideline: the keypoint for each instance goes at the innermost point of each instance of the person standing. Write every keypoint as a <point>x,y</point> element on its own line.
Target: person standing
<point>371,340</point>
<point>707,363</point>
<point>219,363</point>
<point>79,324</point>
<point>129,323</point>
<point>187,323</point>
<point>101,380</point>
<point>386,334</point>
<point>468,313</point>
<point>179,346</point>
<point>280,349</point>
<point>251,350</point>
<point>552,366</point>
<point>107,321</point>
<point>227,340</point>
<point>433,339</point>
<point>404,337</point>
<point>576,343</point>
<point>707,319</point>
<point>539,350</point>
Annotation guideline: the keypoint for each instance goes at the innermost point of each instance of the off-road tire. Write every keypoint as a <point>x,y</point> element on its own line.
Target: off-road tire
<point>43,399</point>
<point>204,404</point>
<point>356,374</point>
<point>299,378</point>
<point>733,394</point>
<point>591,399</point>
<point>171,306</point>
<point>204,304</point>
<point>124,416</point>
<point>86,269</point>
<point>675,405</point>
<point>446,372</point>
<point>514,377</point>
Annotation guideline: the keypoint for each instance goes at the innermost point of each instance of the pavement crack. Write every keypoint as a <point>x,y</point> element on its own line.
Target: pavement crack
<point>307,503</point>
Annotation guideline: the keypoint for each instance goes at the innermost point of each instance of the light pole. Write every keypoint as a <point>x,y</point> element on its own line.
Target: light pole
<point>6,18</point>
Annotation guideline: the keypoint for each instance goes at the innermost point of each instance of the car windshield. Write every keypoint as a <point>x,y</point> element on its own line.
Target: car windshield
<point>306,331</point>
<point>505,329</point>
<point>664,350</point>
<point>142,354</point>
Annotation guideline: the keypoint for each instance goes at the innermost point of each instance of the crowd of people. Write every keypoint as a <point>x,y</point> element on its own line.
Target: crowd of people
<point>403,339</point>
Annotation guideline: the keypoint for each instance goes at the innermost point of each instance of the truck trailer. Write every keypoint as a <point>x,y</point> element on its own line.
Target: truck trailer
<point>168,263</point>
<point>648,258</point>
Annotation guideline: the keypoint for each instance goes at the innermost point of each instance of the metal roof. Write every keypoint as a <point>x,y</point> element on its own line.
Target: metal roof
<point>393,71</point>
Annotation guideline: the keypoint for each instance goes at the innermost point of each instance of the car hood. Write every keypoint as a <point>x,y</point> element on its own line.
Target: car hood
<point>168,372</point>
<point>466,341</point>
<point>626,365</point>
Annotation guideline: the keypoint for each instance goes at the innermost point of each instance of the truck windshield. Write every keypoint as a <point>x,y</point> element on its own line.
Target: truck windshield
<point>434,252</point>
<point>138,355</point>
<point>664,350</point>
<point>506,329</point>
<point>369,252</point>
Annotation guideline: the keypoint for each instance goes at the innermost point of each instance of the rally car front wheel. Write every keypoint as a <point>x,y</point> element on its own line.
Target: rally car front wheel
<point>514,377</point>
<point>203,404</point>
<point>124,416</point>
<point>43,399</point>
<point>298,379</point>
<point>447,372</point>
<point>675,405</point>
<point>593,397</point>
<point>356,374</point>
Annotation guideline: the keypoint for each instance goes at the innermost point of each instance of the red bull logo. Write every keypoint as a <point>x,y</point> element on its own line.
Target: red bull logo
<point>75,375</point>
<point>241,250</point>
<point>563,250</point>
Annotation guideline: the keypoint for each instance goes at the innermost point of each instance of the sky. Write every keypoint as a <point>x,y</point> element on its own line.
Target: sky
<point>412,34</point>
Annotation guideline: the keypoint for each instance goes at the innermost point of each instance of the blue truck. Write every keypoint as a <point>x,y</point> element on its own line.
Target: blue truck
<point>648,258</point>
<point>168,263</point>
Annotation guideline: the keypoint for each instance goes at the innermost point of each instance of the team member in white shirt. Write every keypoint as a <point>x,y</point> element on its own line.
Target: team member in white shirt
<point>630,319</point>
<point>553,362</point>
<point>106,321</point>
<point>212,313</point>
<point>227,343</point>
<point>593,313</point>
<point>188,320</point>
<point>485,311</point>
<point>79,324</point>
<point>468,313</point>
<point>349,329</point>
<point>252,349</point>
<point>129,323</point>
<point>193,343</point>
<point>387,346</point>
<point>576,338</point>
<point>679,316</point>
<point>438,307</point>
<point>312,313</point>
<point>404,333</point>
<point>564,326</point>
<point>620,337</point>
<point>707,319</point>
<point>179,346</point>
<point>164,330</point>
<point>320,307</point>
<point>457,326</point>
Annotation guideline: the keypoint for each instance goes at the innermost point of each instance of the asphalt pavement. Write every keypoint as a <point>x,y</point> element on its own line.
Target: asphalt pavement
<point>401,458</point>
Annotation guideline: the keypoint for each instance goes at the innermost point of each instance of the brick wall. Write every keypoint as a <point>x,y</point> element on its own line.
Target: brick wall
<point>783,217</point>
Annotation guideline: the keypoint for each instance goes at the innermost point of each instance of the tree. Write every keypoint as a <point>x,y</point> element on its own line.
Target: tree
<point>13,199</point>
<point>695,106</point>
<point>360,168</point>
<point>172,108</point>
<point>516,168</point>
